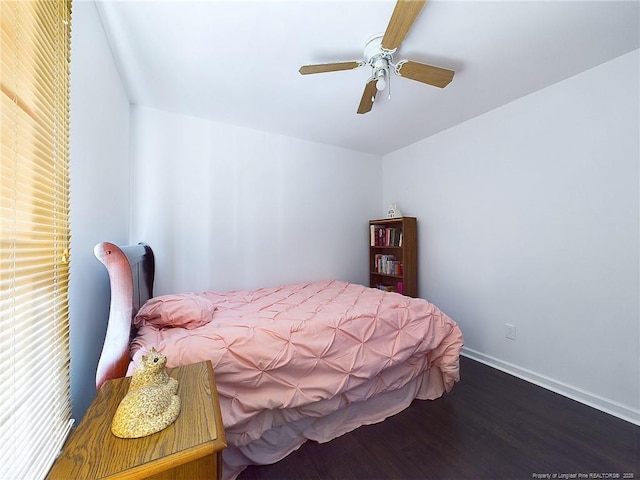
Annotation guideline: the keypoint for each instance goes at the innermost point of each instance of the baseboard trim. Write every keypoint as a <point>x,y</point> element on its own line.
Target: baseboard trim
<point>611,407</point>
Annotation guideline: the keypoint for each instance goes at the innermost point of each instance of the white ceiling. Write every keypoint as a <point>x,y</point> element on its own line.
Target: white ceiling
<point>237,61</point>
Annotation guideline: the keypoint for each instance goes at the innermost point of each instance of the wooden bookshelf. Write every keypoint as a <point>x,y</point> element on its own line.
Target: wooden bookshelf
<point>393,259</point>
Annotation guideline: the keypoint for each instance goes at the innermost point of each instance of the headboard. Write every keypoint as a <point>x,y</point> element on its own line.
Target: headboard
<point>131,271</point>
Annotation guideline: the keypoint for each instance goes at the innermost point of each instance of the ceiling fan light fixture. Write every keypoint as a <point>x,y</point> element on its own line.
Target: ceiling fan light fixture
<point>381,83</point>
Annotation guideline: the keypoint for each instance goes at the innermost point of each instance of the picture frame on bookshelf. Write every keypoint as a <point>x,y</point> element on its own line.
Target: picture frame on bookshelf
<point>393,211</point>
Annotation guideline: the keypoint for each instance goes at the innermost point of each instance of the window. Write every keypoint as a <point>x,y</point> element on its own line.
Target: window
<point>35,407</point>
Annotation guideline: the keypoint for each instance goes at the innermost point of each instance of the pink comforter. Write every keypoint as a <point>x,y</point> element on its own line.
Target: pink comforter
<point>302,350</point>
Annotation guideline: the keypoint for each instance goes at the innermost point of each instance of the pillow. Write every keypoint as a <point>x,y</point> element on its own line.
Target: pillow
<point>186,310</point>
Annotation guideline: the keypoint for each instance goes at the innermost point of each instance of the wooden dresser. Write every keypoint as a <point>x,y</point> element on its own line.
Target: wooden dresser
<point>190,448</point>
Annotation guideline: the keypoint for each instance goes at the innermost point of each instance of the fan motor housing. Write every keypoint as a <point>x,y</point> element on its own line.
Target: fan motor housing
<point>377,57</point>
<point>373,50</point>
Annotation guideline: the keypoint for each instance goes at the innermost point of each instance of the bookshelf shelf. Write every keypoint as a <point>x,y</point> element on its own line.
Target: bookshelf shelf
<point>393,255</point>
<point>399,277</point>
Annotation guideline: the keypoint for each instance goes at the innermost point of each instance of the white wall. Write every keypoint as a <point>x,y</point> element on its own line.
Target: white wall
<point>99,191</point>
<point>530,215</point>
<point>226,207</point>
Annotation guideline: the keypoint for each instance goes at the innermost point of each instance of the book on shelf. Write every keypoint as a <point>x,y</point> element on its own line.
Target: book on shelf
<point>382,236</point>
<point>386,288</point>
<point>387,264</point>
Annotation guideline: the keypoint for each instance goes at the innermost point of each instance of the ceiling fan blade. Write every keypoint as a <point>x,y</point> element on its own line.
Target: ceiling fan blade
<point>328,67</point>
<point>368,96</point>
<point>420,72</point>
<point>402,18</point>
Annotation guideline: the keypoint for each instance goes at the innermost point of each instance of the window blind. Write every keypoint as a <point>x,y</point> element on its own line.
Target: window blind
<point>35,408</point>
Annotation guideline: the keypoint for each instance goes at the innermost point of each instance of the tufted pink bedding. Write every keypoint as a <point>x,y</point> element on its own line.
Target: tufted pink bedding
<point>304,361</point>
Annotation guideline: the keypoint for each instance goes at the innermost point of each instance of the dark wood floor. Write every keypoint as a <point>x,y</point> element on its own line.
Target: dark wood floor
<point>491,426</point>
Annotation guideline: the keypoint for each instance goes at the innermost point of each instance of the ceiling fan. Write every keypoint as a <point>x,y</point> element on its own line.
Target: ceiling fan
<point>378,54</point>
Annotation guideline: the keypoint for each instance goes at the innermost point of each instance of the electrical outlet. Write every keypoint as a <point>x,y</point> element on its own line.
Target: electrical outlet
<point>510,331</point>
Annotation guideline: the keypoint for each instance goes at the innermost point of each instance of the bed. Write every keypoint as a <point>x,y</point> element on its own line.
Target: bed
<point>307,361</point>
